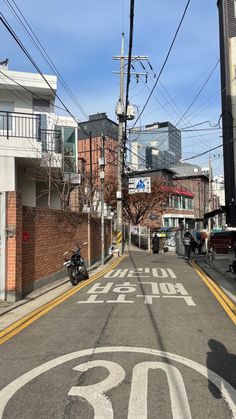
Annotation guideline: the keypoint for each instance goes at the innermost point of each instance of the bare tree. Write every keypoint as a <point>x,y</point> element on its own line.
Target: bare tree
<point>137,207</point>
<point>55,175</point>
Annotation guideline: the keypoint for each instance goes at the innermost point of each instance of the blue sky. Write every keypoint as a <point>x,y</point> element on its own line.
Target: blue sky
<point>82,36</point>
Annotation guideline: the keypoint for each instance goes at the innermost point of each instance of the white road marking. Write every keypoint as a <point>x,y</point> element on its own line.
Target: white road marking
<point>154,287</point>
<point>100,289</point>
<point>139,391</point>
<point>163,290</point>
<point>125,288</point>
<point>148,298</point>
<point>139,273</point>
<point>227,391</point>
<point>94,393</point>
<point>159,273</point>
<point>171,273</point>
<point>114,273</point>
<point>120,299</point>
<point>91,300</point>
<point>189,301</point>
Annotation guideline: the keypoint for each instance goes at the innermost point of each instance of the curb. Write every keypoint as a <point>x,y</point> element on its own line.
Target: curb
<point>225,301</point>
<point>62,281</point>
<point>16,327</point>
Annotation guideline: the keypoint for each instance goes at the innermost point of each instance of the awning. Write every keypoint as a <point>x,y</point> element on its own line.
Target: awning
<point>212,214</point>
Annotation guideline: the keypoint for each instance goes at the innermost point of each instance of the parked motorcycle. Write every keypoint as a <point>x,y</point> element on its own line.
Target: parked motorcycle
<point>77,270</point>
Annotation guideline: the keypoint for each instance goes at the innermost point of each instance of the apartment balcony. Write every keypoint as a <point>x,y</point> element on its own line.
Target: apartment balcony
<point>28,135</point>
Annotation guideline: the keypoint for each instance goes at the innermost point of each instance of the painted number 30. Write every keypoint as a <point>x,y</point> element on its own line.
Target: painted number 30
<point>95,394</point>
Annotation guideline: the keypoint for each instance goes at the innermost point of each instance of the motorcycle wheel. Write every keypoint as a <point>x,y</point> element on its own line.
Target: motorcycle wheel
<point>85,274</point>
<point>73,274</point>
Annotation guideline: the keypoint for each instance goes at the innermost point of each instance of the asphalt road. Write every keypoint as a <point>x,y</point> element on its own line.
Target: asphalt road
<point>149,340</point>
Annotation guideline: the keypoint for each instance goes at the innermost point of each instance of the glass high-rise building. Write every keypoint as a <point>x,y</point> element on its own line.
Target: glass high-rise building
<point>155,145</point>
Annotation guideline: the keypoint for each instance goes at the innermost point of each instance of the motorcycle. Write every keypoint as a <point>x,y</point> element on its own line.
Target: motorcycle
<point>76,268</point>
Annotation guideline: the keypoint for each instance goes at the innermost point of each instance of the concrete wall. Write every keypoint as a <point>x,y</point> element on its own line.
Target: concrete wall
<point>7,174</point>
<point>27,186</point>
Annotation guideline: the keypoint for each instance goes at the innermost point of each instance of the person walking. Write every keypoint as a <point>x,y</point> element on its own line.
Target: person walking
<point>187,242</point>
<point>155,244</point>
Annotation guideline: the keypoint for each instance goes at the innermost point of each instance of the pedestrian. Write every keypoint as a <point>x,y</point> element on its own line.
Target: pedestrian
<point>187,242</point>
<point>155,244</point>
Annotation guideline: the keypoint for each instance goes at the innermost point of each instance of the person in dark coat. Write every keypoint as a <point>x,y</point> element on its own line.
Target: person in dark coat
<point>187,242</point>
<point>155,244</point>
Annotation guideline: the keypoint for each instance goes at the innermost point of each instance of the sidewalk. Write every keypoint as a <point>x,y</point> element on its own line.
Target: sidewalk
<point>217,268</point>
<point>11,312</point>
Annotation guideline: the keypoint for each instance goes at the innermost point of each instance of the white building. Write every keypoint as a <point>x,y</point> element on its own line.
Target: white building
<point>30,135</point>
<point>218,188</point>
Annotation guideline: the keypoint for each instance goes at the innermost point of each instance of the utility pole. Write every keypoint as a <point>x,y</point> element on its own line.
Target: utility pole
<point>90,197</point>
<point>210,197</point>
<point>102,177</point>
<point>120,112</point>
<point>120,151</point>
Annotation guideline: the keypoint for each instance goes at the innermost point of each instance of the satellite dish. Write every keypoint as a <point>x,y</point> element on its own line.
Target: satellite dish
<point>195,170</point>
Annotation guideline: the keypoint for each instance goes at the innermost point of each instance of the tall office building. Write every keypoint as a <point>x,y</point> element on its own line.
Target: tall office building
<point>227,21</point>
<point>154,146</point>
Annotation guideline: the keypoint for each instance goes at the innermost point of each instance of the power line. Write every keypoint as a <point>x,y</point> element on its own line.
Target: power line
<point>164,64</point>
<point>195,98</point>
<point>42,50</point>
<point>15,37</point>
<point>177,112</point>
<point>13,34</point>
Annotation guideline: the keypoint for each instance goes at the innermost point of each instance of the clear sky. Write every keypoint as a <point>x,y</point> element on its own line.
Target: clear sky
<point>81,37</point>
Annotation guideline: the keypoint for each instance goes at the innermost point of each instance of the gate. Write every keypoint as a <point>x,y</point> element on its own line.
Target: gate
<point>2,245</point>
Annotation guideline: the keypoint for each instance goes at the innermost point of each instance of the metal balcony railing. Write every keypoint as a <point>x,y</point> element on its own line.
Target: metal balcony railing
<point>29,126</point>
<point>20,125</point>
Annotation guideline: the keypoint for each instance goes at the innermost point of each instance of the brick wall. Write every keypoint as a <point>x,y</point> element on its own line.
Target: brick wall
<point>35,252</point>
<point>199,186</point>
<point>14,246</point>
<point>51,234</point>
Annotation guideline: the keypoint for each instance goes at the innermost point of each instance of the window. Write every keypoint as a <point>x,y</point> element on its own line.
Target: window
<point>41,105</point>
<point>6,107</point>
<point>176,202</point>
<point>166,222</point>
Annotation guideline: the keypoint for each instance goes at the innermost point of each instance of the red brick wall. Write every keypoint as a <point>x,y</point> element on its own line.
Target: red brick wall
<point>199,186</point>
<point>52,233</point>
<point>39,238</point>
<point>14,246</point>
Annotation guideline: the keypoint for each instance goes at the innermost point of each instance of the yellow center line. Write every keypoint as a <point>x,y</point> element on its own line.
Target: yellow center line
<point>226,303</point>
<point>25,321</point>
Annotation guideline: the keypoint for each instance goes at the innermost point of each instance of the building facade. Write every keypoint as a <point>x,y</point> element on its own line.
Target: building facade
<point>29,139</point>
<point>155,145</point>
<point>180,213</point>
<point>227,23</point>
<point>195,180</point>
<point>90,144</point>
